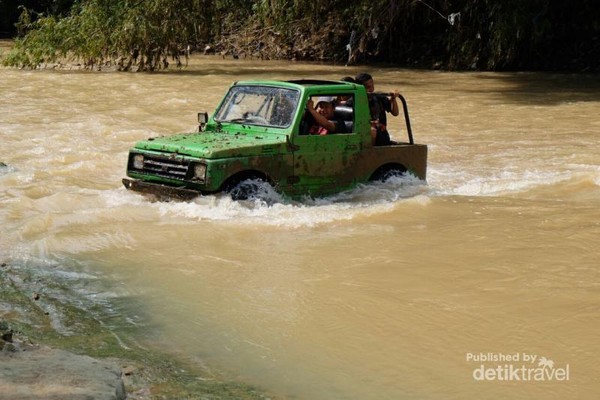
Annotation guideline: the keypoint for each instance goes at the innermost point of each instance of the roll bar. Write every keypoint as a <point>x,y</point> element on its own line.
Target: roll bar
<point>406,116</point>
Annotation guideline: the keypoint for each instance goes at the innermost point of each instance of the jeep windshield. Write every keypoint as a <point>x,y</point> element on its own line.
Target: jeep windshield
<point>259,105</point>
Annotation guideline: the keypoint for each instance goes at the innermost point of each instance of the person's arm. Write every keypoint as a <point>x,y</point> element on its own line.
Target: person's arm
<point>321,120</point>
<point>374,124</point>
<point>395,111</point>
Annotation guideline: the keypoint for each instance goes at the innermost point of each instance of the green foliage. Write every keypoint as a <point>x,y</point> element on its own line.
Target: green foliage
<point>459,34</point>
<point>141,33</point>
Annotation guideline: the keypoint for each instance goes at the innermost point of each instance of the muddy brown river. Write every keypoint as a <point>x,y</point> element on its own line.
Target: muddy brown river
<point>481,283</point>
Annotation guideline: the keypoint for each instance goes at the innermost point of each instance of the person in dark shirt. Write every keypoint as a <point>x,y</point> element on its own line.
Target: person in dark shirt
<point>380,105</point>
<point>324,118</point>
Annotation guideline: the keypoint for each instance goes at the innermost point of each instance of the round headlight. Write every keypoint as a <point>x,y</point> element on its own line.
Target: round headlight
<point>138,161</point>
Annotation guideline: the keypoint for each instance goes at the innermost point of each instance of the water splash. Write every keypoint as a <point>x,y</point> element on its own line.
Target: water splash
<point>450,181</point>
<point>268,207</point>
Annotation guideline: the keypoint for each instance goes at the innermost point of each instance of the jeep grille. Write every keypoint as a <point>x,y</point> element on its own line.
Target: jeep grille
<point>163,167</point>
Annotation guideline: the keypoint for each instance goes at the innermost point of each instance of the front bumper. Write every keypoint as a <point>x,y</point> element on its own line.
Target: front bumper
<point>162,192</point>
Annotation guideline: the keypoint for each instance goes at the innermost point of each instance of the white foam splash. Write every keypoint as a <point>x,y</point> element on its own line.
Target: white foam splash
<point>272,209</point>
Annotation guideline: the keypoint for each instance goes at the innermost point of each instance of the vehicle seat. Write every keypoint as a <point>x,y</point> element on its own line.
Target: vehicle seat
<point>346,114</point>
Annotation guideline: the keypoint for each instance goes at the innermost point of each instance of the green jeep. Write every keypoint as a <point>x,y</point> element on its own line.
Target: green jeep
<point>260,132</point>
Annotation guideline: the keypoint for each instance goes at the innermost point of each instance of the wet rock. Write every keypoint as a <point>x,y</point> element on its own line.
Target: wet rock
<point>45,373</point>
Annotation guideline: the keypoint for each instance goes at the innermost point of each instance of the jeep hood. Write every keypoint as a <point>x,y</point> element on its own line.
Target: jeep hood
<point>217,144</point>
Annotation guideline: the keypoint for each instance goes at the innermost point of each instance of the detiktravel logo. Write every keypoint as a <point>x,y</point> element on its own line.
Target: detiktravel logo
<point>523,367</point>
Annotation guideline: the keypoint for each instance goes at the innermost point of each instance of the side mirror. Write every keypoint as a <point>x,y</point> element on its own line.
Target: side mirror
<point>202,120</point>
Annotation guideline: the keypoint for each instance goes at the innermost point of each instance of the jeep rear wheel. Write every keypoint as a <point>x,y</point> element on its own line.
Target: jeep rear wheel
<point>386,172</point>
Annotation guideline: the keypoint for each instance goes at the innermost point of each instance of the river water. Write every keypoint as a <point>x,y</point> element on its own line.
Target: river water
<point>395,291</point>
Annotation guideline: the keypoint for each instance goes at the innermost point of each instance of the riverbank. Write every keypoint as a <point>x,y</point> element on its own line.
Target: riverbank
<point>51,349</point>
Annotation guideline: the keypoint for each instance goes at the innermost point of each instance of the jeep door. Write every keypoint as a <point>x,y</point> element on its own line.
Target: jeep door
<point>325,164</point>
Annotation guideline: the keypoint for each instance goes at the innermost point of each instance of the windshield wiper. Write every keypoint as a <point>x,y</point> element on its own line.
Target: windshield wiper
<point>237,120</point>
<point>249,119</point>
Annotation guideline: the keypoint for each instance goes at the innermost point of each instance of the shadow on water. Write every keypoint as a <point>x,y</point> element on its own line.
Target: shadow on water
<point>530,88</point>
<point>540,88</point>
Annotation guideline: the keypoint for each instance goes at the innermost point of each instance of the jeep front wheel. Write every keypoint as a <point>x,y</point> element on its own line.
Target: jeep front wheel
<point>245,186</point>
<point>245,190</point>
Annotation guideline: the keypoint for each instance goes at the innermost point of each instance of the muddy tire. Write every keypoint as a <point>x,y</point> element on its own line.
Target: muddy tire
<point>385,173</point>
<point>246,189</point>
